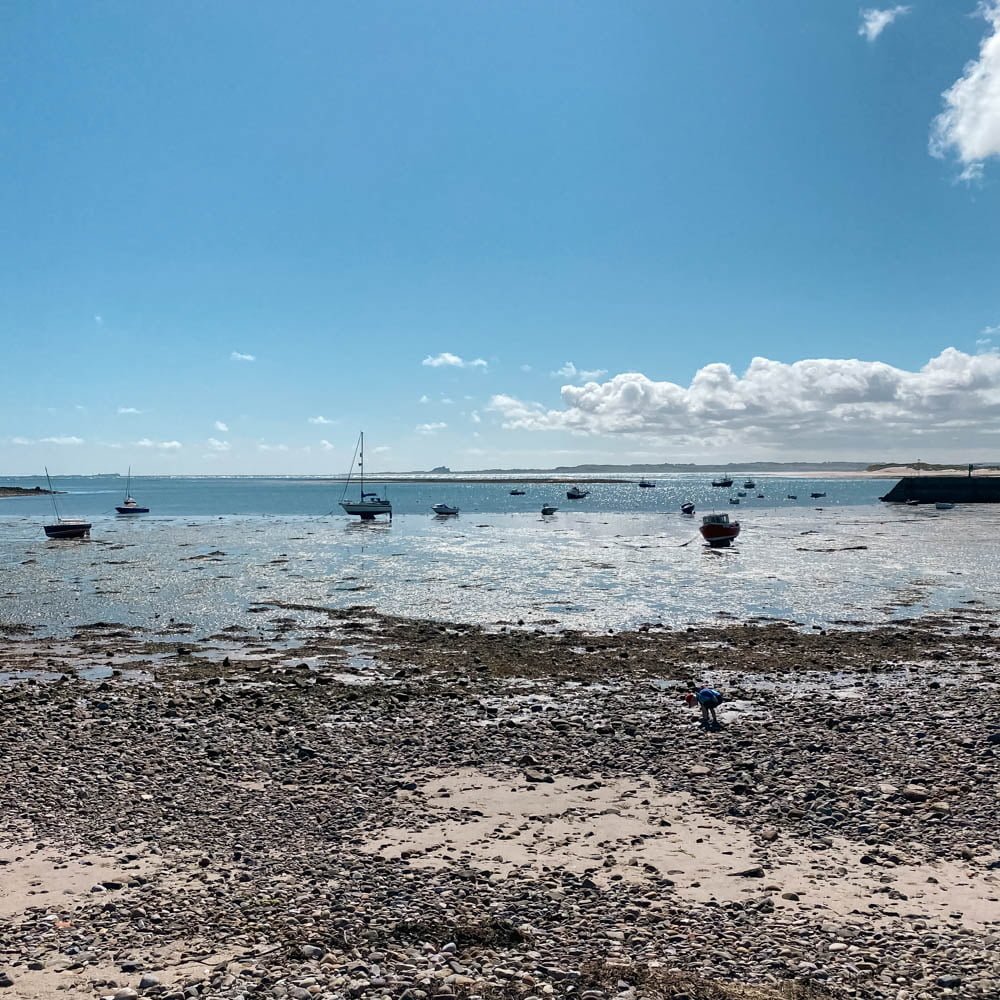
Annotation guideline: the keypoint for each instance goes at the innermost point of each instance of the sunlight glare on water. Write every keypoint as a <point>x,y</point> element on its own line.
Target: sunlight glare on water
<point>583,569</point>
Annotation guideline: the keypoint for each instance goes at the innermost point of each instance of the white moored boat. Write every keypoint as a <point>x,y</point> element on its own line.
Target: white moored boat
<point>369,505</point>
<point>443,510</point>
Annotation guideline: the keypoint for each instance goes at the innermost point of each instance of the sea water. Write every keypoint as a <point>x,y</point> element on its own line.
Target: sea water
<point>213,552</point>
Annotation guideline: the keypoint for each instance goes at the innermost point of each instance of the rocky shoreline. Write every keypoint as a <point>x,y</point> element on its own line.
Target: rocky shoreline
<point>342,804</point>
<point>24,491</point>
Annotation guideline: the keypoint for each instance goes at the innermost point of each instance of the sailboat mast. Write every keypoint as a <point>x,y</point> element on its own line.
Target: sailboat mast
<point>52,493</point>
<point>128,484</point>
<point>362,465</point>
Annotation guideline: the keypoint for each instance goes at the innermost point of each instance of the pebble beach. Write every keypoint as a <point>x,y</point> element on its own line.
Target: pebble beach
<point>341,803</point>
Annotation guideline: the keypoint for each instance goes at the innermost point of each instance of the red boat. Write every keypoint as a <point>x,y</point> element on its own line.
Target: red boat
<point>718,530</point>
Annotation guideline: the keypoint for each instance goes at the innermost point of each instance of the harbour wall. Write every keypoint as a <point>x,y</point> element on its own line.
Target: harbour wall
<point>945,489</point>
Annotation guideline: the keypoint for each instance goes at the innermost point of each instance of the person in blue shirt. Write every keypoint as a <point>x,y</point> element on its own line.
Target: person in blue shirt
<point>708,700</point>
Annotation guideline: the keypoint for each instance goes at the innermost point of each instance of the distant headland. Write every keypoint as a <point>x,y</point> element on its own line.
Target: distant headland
<point>21,491</point>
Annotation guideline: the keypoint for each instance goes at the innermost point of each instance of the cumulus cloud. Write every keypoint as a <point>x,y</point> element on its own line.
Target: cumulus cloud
<point>574,374</point>
<point>67,440</point>
<point>447,360</point>
<point>325,445</point>
<point>272,447</point>
<point>424,399</point>
<point>127,411</point>
<point>875,21</point>
<point>474,415</point>
<point>161,445</point>
<point>381,449</point>
<point>216,445</point>
<point>430,428</point>
<point>237,356</point>
<point>320,420</point>
<point>220,426</point>
<point>969,126</point>
<point>820,405</point>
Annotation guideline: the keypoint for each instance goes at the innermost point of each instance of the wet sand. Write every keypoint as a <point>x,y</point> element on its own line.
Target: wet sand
<point>341,803</point>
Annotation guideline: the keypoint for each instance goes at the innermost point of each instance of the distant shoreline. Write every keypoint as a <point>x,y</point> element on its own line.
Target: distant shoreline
<point>7,492</point>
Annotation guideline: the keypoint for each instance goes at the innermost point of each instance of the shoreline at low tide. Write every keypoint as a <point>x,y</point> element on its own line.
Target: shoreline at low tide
<point>341,803</point>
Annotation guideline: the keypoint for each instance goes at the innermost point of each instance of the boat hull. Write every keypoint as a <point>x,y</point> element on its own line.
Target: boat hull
<point>68,529</point>
<point>367,510</point>
<point>132,510</point>
<point>720,535</point>
<point>443,510</point>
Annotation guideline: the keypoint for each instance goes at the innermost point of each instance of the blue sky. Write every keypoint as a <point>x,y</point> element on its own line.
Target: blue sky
<point>441,221</point>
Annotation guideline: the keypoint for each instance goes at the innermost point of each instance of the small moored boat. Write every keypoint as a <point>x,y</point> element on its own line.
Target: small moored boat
<point>944,505</point>
<point>718,530</point>
<point>687,508</point>
<point>645,484</point>
<point>64,527</point>
<point>734,499</point>
<point>576,493</point>
<point>725,482</point>
<point>517,493</point>
<point>368,505</point>
<point>68,527</point>
<point>749,485</point>
<point>791,496</point>
<point>130,505</point>
<point>816,496</point>
<point>549,509</point>
<point>443,510</point>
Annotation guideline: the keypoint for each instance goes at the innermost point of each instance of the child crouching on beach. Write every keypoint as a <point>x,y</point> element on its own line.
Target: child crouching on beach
<point>708,699</point>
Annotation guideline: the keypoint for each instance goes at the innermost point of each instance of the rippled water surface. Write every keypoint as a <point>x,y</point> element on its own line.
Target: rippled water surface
<point>597,564</point>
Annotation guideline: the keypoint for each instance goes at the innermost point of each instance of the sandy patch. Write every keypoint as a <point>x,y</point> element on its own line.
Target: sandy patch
<point>628,830</point>
<point>172,965</point>
<point>54,878</point>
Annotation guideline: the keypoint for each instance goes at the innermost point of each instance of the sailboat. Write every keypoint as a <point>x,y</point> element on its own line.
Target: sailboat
<point>130,505</point>
<point>369,504</point>
<point>64,527</point>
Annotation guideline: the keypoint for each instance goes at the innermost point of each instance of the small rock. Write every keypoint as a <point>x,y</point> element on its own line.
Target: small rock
<point>537,777</point>
<point>914,793</point>
<point>948,981</point>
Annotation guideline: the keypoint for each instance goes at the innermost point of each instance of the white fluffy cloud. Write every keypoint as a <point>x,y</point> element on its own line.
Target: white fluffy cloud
<point>430,428</point>
<point>161,445</point>
<point>447,360</point>
<point>574,374</point>
<point>819,405</point>
<point>272,447</point>
<point>127,411</point>
<point>969,126</point>
<point>220,426</point>
<point>325,445</point>
<point>67,440</point>
<point>216,445</point>
<point>875,21</point>
<point>237,356</point>
<point>320,420</point>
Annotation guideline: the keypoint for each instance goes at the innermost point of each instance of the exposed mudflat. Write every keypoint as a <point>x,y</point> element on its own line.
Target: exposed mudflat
<point>345,804</point>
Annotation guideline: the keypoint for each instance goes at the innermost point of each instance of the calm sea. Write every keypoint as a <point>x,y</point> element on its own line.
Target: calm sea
<point>214,550</point>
